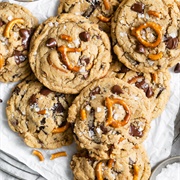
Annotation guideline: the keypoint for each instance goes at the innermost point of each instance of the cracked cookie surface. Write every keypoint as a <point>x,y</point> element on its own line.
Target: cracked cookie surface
<point>146,34</point>
<point>39,115</point>
<point>109,115</point>
<point>97,11</point>
<point>155,85</point>
<point>16,26</point>
<point>134,165</point>
<point>68,52</point>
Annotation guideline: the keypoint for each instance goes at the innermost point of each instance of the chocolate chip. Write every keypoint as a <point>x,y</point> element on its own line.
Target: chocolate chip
<point>1,22</point>
<point>95,91</point>
<point>16,90</point>
<point>138,7</point>
<point>51,43</point>
<point>177,68</point>
<point>142,85</point>
<point>116,89</point>
<point>171,43</point>
<point>45,91</point>
<point>32,99</point>
<point>84,61</point>
<point>124,69</point>
<point>149,92</point>
<point>19,57</point>
<point>1,100</point>
<point>58,108</point>
<point>140,49</point>
<point>43,121</point>
<point>84,36</point>
<point>134,131</point>
<point>25,34</point>
<point>104,129</point>
<point>160,91</point>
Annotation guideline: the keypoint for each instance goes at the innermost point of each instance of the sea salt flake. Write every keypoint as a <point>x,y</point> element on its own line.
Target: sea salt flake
<point>173,35</point>
<point>122,34</point>
<point>88,107</point>
<point>50,24</point>
<point>10,18</point>
<point>98,130</point>
<point>116,116</point>
<point>98,109</point>
<point>93,97</point>
<point>76,42</point>
<point>82,70</point>
<point>91,133</point>
<point>150,62</point>
<point>140,15</point>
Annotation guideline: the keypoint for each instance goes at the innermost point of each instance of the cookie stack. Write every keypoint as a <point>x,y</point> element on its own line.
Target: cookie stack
<point>117,95</point>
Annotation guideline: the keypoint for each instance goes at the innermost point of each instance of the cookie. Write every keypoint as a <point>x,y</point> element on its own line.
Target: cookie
<point>98,11</point>
<point>156,86</point>
<point>16,27</point>
<point>109,115</point>
<point>134,165</point>
<point>69,52</point>
<point>146,34</point>
<point>39,115</point>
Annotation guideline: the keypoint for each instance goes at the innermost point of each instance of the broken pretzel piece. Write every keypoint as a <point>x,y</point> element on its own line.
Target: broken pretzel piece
<point>61,129</point>
<point>1,61</point>
<point>107,4</point>
<point>38,154</point>
<point>66,37</point>
<point>103,18</point>
<point>10,25</point>
<point>64,50</point>
<point>58,154</point>
<point>111,121</point>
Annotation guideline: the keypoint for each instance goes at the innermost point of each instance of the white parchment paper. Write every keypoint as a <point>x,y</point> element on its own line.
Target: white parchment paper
<point>158,144</point>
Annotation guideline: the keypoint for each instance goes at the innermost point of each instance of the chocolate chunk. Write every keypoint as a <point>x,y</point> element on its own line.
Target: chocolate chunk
<point>84,60</point>
<point>1,100</point>
<point>32,100</point>
<point>124,69</point>
<point>171,43</point>
<point>89,11</point>
<point>51,43</point>
<point>160,91</point>
<point>43,121</point>
<point>177,68</point>
<point>104,129</point>
<point>140,49</point>
<point>58,108</point>
<point>25,34</point>
<point>45,91</point>
<point>16,90</point>
<point>134,131</point>
<point>149,92</point>
<point>84,36</point>
<point>1,22</point>
<point>95,91</point>
<point>19,57</point>
<point>116,89</point>
<point>138,7</point>
<point>142,85</point>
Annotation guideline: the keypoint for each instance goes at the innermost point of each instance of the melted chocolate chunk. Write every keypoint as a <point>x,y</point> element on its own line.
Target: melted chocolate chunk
<point>116,90</point>
<point>25,34</point>
<point>171,43</point>
<point>19,57</point>
<point>142,85</point>
<point>140,49</point>
<point>104,129</point>
<point>43,121</point>
<point>32,99</point>
<point>16,90</point>
<point>45,91</point>
<point>84,61</point>
<point>134,131</point>
<point>138,7</point>
<point>124,69</point>
<point>177,68</point>
<point>51,43</point>
<point>149,92</point>
<point>58,108</point>
<point>95,91</point>
<point>1,100</point>
<point>84,36</point>
<point>160,91</point>
<point>1,22</point>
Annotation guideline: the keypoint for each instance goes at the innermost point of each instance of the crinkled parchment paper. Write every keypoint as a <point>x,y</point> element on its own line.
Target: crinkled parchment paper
<point>158,144</point>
